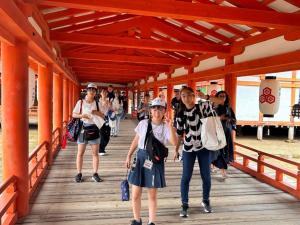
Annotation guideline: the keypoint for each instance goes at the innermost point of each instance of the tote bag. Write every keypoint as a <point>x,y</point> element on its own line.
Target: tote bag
<point>212,133</point>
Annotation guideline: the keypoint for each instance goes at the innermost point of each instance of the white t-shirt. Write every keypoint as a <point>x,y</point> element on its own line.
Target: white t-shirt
<point>87,108</point>
<point>161,132</point>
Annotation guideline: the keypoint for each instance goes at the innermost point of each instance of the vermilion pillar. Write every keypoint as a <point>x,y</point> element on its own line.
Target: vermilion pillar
<point>155,91</point>
<point>58,102</point>
<point>65,100</point>
<point>45,106</point>
<point>231,84</point>
<point>14,92</point>
<point>75,98</point>
<point>70,98</point>
<point>169,97</point>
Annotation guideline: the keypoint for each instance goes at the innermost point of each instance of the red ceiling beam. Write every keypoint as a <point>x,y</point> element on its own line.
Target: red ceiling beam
<point>113,72</point>
<point>99,65</point>
<point>111,41</point>
<point>95,23</point>
<point>126,58</point>
<point>187,11</point>
<point>79,19</point>
<point>63,13</point>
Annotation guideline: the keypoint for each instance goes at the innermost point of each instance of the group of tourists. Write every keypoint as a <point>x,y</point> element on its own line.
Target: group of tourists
<point>184,129</point>
<point>109,109</point>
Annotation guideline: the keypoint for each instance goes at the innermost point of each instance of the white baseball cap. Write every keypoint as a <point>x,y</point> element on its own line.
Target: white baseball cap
<point>158,102</point>
<point>92,85</point>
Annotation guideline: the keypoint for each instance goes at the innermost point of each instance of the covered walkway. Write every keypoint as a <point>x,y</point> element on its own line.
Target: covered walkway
<point>241,199</point>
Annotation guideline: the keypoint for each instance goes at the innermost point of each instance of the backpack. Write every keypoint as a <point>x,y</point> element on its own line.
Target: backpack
<point>157,151</point>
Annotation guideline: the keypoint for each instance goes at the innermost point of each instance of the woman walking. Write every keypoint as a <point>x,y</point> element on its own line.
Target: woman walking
<point>188,125</point>
<point>105,107</point>
<point>85,110</point>
<point>228,120</point>
<point>145,173</point>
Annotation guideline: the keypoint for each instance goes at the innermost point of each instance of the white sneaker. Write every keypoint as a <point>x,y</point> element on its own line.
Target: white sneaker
<point>102,153</point>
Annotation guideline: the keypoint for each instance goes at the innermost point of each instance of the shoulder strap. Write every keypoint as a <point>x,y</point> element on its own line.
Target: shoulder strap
<point>149,128</point>
<point>97,104</point>
<point>81,106</point>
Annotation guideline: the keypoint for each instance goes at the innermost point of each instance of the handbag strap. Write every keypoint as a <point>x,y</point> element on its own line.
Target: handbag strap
<point>149,128</point>
<point>97,105</point>
<point>81,106</point>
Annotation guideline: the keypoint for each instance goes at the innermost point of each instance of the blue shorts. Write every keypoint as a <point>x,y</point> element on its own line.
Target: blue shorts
<point>80,139</point>
<point>142,177</point>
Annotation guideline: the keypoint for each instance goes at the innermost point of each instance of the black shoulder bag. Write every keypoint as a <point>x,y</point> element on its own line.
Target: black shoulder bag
<point>74,127</point>
<point>91,132</point>
<point>157,151</point>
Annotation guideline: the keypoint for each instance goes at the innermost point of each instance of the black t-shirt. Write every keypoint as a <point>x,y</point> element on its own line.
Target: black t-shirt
<point>111,96</point>
<point>175,103</point>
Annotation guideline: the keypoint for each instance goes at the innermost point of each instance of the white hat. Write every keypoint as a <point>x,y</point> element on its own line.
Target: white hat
<point>158,102</point>
<point>92,85</point>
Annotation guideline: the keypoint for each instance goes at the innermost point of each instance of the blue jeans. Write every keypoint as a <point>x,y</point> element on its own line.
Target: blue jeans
<point>189,158</point>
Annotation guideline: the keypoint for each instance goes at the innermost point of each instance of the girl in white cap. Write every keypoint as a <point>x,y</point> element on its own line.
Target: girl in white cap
<point>145,173</point>
<point>85,110</point>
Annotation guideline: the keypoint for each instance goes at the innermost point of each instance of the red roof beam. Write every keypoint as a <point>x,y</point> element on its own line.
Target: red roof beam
<point>186,11</point>
<point>118,66</point>
<point>79,19</point>
<point>95,23</point>
<point>112,41</point>
<point>127,58</point>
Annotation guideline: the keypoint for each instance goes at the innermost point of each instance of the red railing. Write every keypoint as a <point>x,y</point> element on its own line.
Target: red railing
<point>8,196</point>
<point>37,165</point>
<point>262,166</point>
<point>56,139</point>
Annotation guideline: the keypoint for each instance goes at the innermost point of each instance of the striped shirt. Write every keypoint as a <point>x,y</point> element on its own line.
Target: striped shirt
<point>188,122</point>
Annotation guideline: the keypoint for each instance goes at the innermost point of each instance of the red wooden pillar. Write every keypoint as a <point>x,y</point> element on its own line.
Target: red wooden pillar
<point>191,83</point>
<point>155,91</point>
<point>230,88</point>
<point>74,95</point>
<point>65,100</point>
<point>70,99</point>
<point>45,106</point>
<point>169,98</point>
<point>58,103</point>
<point>231,84</point>
<point>14,92</point>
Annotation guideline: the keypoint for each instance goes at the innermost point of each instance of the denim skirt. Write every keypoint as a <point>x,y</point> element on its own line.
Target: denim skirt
<point>143,177</point>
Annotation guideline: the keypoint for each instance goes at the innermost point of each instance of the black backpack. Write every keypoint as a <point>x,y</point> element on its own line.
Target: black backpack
<point>157,151</point>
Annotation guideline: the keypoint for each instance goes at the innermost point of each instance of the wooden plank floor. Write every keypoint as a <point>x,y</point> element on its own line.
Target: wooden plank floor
<point>239,200</point>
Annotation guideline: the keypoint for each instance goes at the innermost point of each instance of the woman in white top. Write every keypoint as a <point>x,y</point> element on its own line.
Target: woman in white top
<point>145,173</point>
<point>105,107</point>
<point>117,107</point>
<point>88,110</point>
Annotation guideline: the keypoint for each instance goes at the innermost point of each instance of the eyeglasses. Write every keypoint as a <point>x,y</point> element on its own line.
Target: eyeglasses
<point>160,108</point>
<point>222,96</point>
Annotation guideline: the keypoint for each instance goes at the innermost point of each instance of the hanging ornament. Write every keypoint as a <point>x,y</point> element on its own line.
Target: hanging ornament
<point>213,88</point>
<point>269,96</point>
<point>296,108</point>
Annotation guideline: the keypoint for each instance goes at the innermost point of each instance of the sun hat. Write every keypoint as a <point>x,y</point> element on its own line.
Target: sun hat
<point>158,102</point>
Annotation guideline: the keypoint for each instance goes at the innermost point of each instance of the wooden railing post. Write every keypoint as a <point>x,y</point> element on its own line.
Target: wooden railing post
<point>260,166</point>
<point>298,183</point>
<point>245,162</point>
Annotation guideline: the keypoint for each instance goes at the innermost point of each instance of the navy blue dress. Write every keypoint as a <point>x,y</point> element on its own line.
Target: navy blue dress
<point>225,155</point>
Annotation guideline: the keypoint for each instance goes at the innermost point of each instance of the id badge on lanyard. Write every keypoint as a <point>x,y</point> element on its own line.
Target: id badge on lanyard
<point>148,164</point>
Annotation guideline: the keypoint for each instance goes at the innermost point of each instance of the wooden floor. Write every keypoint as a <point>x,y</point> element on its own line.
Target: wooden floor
<point>239,200</point>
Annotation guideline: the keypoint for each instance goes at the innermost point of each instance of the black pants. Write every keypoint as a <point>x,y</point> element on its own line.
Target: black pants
<point>104,138</point>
